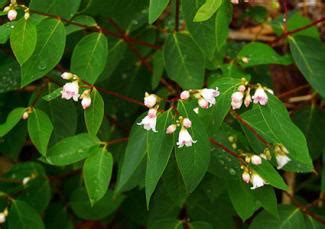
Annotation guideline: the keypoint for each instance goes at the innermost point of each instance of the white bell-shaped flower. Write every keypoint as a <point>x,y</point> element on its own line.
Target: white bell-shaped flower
<point>184,138</point>
<point>210,95</point>
<point>282,160</point>
<point>260,96</point>
<point>257,181</point>
<point>149,122</point>
<point>71,90</point>
<point>237,100</point>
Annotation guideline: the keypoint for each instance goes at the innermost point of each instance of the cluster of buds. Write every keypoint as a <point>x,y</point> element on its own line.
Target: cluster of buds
<point>252,177</point>
<point>3,216</point>
<point>184,137</point>
<point>11,10</point>
<point>242,95</point>
<point>281,155</point>
<point>149,121</point>
<point>71,90</point>
<point>206,97</point>
<point>233,141</point>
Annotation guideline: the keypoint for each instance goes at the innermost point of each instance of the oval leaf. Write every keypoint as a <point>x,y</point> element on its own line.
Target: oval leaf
<point>156,7</point>
<point>207,10</point>
<point>95,113</point>
<point>12,119</point>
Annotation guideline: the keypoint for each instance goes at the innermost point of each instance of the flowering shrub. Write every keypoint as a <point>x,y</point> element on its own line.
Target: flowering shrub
<point>161,114</point>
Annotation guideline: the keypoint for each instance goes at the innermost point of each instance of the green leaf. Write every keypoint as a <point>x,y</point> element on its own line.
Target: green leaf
<point>266,197</point>
<point>289,217</point>
<point>52,95</point>
<point>40,129</point>
<point>184,61</point>
<point>56,216</point>
<point>222,21</point>
<point>156,7</point>
<point>95,113</point>
<point>82,19</point>
<point>242,198</point>
<point>89,57</point>
<point>12,119</point>
<point>193,162</point>
<point>207,10</point>
<point>166,224</point>
<point>80,205</point>
<point>258,53</point>
<point>63,8</point>
<point>23,216</point>
<point>5,31</point>
<point>97,172</point>
<point>48,52</point>
<point>304,51</point>
<point>23,40</point>
<point>159,147</point>
<point>274,124</point>
<point>9,73</point>
<point>200,225</point>
<point>270,175</point>
<point>158,69</point>
<point>72,149</point>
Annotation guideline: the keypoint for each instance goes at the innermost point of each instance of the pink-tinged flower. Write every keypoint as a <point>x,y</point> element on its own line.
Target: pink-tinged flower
<point>2,217</point>
<point>247,100</point>
<point>12,14</point>
<point>260,96</point>
<point>210,95</point>
<point>171,129</point>
<point>187,123</point>
<point>241,88</point>
<point>185,95</point>
<point>282,160</point>
<point>150,100</point>
<point>203,103</point>
<point>237,100</point>
<point>149,122</point>
<point>67,75</point>
<point>246,177</point>
<point>184,138</point>
<point>25,115</point>
<point>71,90</point>
<point>257,181</point>
<point>86,102</point>
<point>256,160</point>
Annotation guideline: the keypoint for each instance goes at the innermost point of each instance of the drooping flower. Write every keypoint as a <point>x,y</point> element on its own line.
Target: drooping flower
<point>203,103</point>
<point>171,129</point>
<point>149,122</point>
<point>150,100</point>
<point>246,177</point>
<point>67,75</point>
<point>187,123</point>
<point>256,160</point>
<point>210,95</point>
<point>260,96</point>
<point>237,100</point>
<point>185,95</point>
<point>257,181</point>
<point>282,160</point>
<point>184,138</point>
<point>71,90</point>
<point>12,14</point>
<point>86,99</point>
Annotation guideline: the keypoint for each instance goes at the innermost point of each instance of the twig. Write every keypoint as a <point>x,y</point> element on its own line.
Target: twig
<point>214,142</point>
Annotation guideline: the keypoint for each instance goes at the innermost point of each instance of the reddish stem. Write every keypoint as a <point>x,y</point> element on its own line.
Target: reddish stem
<point>214,142</point>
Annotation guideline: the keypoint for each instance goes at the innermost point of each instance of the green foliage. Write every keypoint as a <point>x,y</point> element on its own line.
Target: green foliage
<point>95,113</point>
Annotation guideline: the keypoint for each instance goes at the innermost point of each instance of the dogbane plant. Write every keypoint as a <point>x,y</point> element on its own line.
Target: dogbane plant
<point>161,114</point>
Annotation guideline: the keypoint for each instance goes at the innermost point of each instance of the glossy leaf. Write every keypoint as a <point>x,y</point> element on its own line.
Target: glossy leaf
<point>63,8</point>
<point>94,114</point>
<point>89,57</point>
<point>48,52</point>
<point>97,172</point>
<point>311,66</point>
<point>23,40</point>
<point>207,10</point>
<point>72,149</point>
<point>156,7</point>
<point>193,161</point>
<point>184,61</point>
<point>12,119</point>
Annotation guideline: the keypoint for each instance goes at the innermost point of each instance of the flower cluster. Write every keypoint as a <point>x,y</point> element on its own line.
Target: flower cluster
<point>206,97</point>
<point>3,215</point>
<point>11,10</point>
<point>184,137</point>
<point>281,155</point>
<point>242,95</point>
<point>71,90</point>
<point>149,121</point>
<point>250,176</point>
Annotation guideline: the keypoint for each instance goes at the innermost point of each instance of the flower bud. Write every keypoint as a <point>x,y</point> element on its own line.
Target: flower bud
<point>246,177</point>
<point>6,9</point>
<point>26,15</point>
<point>86,102</point>
<point>241,88</point>
<point>67,75</point>
<point>256,160</point>
<point>2,217</point>
<point>237,100</point>
<point>171,129</point>
<point>12,14</point>
<point>187,123</point>
<point>26,180</point>
<point>203,103</point>
<point>248,100</point>
<point>25,115</point>
<point>150,100</point>
<point>185,95</point>
<point>245,60</point>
